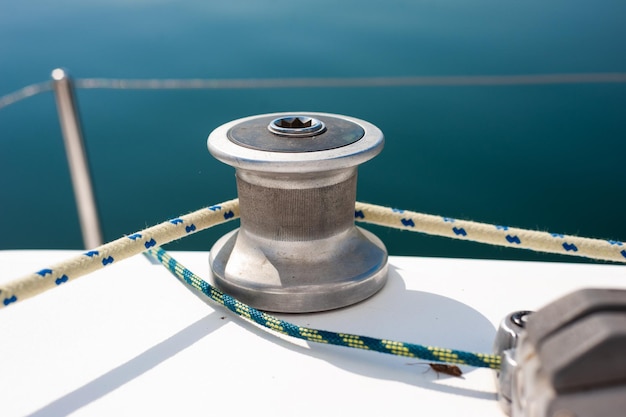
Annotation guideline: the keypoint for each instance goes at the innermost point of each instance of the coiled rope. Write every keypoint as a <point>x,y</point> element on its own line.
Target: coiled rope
<point>151,238</point>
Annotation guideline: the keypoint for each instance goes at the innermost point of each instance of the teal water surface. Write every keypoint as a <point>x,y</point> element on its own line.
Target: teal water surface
<point>547,157</point>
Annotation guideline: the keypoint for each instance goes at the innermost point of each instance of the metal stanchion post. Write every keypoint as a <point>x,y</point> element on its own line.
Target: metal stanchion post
<point>77,158</point>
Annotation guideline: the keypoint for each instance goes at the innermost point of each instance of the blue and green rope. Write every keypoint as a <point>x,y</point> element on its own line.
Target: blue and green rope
<point>411,350</point>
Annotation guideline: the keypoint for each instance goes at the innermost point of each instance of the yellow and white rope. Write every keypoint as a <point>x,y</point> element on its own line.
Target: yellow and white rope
<point>606,250</point>
<point>115,251</point>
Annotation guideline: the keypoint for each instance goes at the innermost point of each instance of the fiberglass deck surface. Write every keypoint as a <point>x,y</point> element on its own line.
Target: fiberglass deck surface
<point>131,340</point>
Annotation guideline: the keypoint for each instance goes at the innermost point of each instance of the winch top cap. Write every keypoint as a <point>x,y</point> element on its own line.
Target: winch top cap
<point>296,142</point>
<point>297,126</point>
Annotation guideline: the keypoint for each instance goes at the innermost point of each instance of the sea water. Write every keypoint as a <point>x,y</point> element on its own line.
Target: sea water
<point>547,157</point>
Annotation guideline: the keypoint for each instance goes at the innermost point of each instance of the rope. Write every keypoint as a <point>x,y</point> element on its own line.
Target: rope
<point>411,350</point>
<point>149,240</point>
<point>605,250</point>
<point>116,251</point>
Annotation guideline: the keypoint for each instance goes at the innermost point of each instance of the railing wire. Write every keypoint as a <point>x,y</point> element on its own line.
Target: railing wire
<point>352,82</point>
<point>25,92</point>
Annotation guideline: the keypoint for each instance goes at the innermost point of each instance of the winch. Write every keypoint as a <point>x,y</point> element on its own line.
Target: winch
<point>297,248</point>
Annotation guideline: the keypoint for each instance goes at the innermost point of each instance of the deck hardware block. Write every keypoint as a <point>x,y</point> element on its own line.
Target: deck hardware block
<point>567,359</point>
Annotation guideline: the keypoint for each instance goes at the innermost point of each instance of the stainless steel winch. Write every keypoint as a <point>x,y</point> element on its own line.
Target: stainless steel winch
<point>297,249</point>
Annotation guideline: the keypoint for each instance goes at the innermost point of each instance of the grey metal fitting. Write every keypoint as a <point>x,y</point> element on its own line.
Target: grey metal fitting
<point>504,345</point>
<point>568,361</point>
<point>297,249</point>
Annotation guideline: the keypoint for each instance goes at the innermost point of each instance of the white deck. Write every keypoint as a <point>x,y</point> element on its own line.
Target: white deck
<point>132,340</point>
